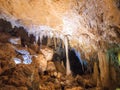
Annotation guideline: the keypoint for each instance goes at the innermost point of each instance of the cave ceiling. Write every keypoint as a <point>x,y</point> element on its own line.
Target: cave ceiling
<point>88,24</point>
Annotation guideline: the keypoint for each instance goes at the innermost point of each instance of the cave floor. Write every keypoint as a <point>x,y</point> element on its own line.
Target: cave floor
<point>26,76</point>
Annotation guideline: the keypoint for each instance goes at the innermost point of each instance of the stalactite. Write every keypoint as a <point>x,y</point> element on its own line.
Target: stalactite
<point>36,39</point>
<point>54,39</point>
<point>41,37</point>
<point>58,41</point>
<point>68,71</point>
<point>48,41</point>
<point>59,46</point>
<point>63,46</point>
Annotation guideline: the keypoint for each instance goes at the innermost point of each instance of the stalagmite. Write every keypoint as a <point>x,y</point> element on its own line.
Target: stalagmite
<point>104,68</point>
<point>95,73</point>
<point>68,71</point>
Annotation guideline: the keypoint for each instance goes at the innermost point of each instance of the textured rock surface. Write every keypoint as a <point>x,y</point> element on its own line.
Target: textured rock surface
<point>28,76</point>
<point>42,62</point>
<point>89,24</point>
<point>12,76</point>
<point>47,52</point>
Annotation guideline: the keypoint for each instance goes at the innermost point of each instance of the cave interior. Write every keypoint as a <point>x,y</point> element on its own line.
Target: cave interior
<point>61,45</point>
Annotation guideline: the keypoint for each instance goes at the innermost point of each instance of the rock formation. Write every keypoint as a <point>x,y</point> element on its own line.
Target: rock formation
<point>91,27</point>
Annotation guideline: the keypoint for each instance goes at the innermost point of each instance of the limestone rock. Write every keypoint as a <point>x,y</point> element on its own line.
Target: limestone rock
<point>104,68</point>
<point>47,52</point>
<point>56,18</point>
<point>0,70</point>
<point>21,77</point>
<point>15,41</point>
<point>8,87</point>
<point>51,66</point>
<point>7,51</point>
<point>22,88</point>
<point>76,88</point>
<point>59,67</point>
<point>42,62</point>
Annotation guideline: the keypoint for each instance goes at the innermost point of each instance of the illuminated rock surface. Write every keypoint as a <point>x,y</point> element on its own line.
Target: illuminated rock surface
<point>90,27</point>
<point>86,22</point>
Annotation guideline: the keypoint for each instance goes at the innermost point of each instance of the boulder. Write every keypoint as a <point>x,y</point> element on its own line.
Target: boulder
<point>47,52</point>
<point>51,66</point>
<point>41,62</point>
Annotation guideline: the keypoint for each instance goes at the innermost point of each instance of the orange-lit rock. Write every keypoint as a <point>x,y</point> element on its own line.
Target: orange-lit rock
<point>41,62</point>
<point>85,22</point>
<point>48,53</point>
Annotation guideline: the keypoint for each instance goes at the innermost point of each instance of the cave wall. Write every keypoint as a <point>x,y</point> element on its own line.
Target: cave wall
<point>89,24</point>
